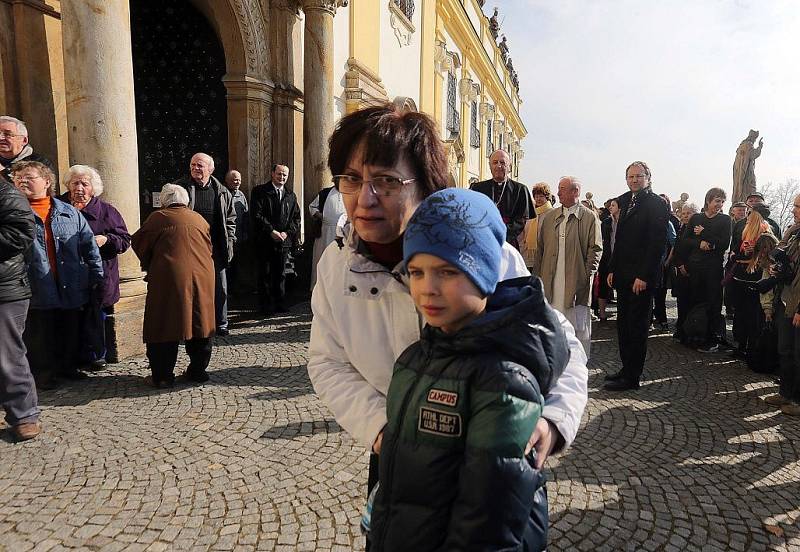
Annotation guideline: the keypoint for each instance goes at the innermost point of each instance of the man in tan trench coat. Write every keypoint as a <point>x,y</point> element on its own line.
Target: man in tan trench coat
<point>174,247</point>
<point>569,250</point>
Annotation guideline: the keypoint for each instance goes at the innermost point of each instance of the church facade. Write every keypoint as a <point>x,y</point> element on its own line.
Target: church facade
<point>135,87</point>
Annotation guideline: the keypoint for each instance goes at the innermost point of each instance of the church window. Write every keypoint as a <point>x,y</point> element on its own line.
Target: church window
<point>453,118</point>
<point>474,131</point>
<point>489,144</point>
<point>406,6</point>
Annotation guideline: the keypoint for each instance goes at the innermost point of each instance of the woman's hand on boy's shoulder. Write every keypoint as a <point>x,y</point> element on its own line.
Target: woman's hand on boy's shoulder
<point>544,439</point>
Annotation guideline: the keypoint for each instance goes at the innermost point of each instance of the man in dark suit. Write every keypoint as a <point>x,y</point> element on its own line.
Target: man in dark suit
<point>512,198</point>
<point>275,228</point>
<point>640,241</point>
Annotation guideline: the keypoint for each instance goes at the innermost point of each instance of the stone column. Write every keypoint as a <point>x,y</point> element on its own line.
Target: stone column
<point>98,72</point>
<point>318,119</point>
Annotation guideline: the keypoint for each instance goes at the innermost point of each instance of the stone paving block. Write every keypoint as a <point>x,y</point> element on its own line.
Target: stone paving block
<point>694,460</point>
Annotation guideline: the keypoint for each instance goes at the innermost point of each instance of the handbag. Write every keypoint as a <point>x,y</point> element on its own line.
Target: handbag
<point>695,327</point>
<point>763,356</point>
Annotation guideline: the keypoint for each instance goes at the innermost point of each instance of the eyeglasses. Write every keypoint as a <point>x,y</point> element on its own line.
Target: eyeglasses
<point>637,176</point>
<point>25,179</point>
<point>380,185</point>
<point>6,134</point>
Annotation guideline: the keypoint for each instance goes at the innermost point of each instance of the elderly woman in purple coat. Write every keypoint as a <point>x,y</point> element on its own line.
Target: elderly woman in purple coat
<point>84,185</point>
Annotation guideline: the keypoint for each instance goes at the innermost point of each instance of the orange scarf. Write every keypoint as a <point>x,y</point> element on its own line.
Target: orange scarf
<point>43,209</point>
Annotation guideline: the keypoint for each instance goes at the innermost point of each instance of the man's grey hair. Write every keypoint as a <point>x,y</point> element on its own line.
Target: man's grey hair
<point>574,180</point>
<point>21,128</point>
<point>208,159</point>
<point>691,206</point>
<point>84,170</point>
<point>172,194</point>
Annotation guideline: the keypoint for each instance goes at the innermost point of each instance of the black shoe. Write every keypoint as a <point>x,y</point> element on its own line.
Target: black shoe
<point>281,308</point>
<point>97,365</point>
<point>46,383</point>
<point>196,377</point>
<point>614,377</point>
<point>621,384</point>
<point>74,375</point>
<point>223,332</point>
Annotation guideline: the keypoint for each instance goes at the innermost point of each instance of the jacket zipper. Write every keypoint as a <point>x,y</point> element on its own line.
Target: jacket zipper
<point>390,469</point>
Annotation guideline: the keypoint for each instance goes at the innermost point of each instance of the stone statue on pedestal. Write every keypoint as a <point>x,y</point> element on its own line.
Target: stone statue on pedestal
<point>504,49</point>
<point>678,205</point>
<point>744,174</point>
<point>494,24</point>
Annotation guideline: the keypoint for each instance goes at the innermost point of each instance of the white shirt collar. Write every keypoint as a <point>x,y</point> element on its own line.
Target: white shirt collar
<point>574,210</point>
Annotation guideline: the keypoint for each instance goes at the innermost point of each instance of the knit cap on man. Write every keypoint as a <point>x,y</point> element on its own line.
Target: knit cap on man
<point>463,228</point>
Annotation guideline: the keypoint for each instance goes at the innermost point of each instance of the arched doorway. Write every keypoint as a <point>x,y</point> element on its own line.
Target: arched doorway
<point>181,108</point>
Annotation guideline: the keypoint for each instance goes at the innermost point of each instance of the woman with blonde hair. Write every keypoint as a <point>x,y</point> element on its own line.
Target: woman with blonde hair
<point>530,236</point>
<point>748,316</point>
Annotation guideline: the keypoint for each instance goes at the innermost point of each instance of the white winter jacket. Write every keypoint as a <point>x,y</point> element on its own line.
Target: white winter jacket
<point>364,318</point>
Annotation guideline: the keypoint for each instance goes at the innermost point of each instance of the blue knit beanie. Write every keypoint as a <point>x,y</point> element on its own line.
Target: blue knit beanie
<point>463,228</point>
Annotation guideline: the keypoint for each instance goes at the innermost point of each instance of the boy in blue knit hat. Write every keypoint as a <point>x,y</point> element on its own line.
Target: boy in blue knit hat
<point>466,397</point>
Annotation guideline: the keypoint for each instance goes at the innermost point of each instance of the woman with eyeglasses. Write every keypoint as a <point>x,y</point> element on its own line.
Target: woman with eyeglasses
<point>385,162</point>
<point>64,267</point>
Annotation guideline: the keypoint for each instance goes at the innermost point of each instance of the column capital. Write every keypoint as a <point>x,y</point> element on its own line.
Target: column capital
<point>324,5</point>
<point>288,5</point>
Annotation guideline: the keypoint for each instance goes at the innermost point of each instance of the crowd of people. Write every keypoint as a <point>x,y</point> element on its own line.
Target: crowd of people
<point>438,314</point>
<point>59,269</point>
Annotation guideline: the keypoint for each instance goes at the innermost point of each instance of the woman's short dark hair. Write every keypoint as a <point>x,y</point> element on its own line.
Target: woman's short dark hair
<point>715,193</point>
<point>387,133</point>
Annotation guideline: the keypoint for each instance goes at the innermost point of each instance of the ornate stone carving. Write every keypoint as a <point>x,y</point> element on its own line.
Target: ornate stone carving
<point>486,111</point>
<point>442,58</point>
<point>254,36</point>
<point>329,6</point>
<point>494,24</point>
<point>401,25</point>
<point>362,86</point>
<point>455,153</point>
<point>503,46</point>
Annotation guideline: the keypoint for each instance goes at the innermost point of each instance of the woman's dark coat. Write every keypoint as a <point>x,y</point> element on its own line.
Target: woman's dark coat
<point>105,220</point>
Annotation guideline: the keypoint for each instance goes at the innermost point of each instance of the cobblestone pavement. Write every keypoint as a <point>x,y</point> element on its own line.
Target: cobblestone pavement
<point>694,460</point>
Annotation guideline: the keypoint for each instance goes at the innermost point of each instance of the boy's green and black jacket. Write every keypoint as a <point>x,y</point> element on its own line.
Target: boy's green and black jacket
<point>461,408</point>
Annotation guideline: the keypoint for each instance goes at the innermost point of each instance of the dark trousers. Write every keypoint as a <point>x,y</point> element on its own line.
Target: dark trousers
<point>747,314</point>
<point>633,322</point>
<point>163,356</point>
<point>52,338</point>
<point>660,305</point>
<point>705,286</point>
<point>789,353</point>
<point>271,277</point>
<point>17,388</point>
<point>220,295</point>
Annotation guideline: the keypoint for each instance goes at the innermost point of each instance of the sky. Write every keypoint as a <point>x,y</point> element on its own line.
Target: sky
<point>676,84</point>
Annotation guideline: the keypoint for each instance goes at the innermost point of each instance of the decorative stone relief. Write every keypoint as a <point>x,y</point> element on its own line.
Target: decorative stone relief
<point>362,86</point>
<point>254,37</point>
<point>325,5</point>
<point>401,25</point>
<point>468,89</point>
<point>442,59</point>
<point>486,111</point>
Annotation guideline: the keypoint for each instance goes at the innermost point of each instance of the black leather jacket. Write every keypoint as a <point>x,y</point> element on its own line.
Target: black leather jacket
<point>17,231</point>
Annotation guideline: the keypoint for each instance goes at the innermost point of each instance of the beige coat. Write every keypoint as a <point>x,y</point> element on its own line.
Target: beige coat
<point>530,236</point>
<point>584,246</point>
<point>174,246</point>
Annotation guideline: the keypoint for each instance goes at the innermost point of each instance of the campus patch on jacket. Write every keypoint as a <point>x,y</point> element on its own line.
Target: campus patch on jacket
<point>439,422</point>
<point>439,396</point>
